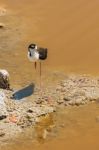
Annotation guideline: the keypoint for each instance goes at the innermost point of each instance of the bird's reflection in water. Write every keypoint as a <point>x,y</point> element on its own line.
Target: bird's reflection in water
<point>44,126</point>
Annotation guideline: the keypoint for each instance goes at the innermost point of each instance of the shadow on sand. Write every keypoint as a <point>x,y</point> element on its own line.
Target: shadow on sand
<point>25,92</point>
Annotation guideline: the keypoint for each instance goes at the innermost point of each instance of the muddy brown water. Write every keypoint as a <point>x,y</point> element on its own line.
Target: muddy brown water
<point>70,30</point>
<point>73,128</point>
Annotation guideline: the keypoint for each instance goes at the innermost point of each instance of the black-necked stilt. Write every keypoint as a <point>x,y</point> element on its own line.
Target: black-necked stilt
<point>35,54</point>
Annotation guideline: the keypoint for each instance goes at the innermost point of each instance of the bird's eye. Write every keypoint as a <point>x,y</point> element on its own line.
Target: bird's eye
<point>32,46</point>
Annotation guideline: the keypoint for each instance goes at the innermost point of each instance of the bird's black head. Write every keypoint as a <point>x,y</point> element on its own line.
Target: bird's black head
<point>32,46</point>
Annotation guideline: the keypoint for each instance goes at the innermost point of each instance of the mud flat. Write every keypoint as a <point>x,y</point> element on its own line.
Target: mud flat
<point>21,111</point>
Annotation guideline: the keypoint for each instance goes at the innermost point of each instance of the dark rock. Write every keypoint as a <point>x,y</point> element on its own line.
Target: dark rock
<point>4,79</point>
<point>2,133</point>
<point>3,117</point>
<point>2,25</point>
<point>30,111</point>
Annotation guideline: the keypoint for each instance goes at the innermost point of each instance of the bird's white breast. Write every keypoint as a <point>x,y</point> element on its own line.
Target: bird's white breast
<point>34,56</point>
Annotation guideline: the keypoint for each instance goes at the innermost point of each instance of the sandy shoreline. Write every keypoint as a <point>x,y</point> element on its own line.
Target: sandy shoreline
<point>24,111</point>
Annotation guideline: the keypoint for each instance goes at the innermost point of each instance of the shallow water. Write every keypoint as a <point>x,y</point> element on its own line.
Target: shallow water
<point>70,30</point>
<point>73,128</point>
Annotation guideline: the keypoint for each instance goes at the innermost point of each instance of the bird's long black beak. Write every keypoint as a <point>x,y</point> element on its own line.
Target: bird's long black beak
<point>35,65</point>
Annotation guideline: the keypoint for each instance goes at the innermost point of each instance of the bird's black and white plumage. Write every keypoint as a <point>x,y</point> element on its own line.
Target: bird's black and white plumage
<point>36,53</point>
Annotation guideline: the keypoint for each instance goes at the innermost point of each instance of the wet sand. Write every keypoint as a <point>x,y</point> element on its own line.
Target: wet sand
<point>69,29</point>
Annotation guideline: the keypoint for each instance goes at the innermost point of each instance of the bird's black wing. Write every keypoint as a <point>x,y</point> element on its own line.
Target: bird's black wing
<point>42,53</point>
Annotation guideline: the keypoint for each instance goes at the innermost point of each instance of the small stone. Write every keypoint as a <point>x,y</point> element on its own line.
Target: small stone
<point>2,25</point>
<point>30,111</point>
<point>2,133</point>
<point>3,117</point>
<point>78,102</point>
<point>60,101</point>
<point>72,103</point>
<point>30,117</point>
<point>66,98</point>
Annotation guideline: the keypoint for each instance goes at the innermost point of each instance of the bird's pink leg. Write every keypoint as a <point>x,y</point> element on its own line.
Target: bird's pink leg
<point>40,81</point>
<point>35,65</point>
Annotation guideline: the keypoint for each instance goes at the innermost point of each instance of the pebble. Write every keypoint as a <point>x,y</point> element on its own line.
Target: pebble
<point>3,117</point>
<point>30,111</point>
<point>2,133</point>
<point>2,25</point>
<point>78,102</point>
<point>66,98</point>
<point>60,101</point>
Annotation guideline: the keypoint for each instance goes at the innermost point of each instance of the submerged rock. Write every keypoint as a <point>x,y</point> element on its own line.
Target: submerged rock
<point>2,11</point>
<point>2,25</point>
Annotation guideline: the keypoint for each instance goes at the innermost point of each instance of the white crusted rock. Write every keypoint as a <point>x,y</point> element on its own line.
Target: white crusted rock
<point>4,79</point>
<point>3,110</point>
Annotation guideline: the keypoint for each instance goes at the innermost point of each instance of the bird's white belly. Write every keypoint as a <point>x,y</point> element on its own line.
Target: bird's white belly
<point>34,56</point>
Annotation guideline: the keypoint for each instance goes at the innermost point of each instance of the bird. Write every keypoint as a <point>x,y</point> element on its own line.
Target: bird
<point>37,54</point>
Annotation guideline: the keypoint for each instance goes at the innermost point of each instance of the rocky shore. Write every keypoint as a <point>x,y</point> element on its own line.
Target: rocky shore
<point>23,108</point>
<point>78,90</point>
